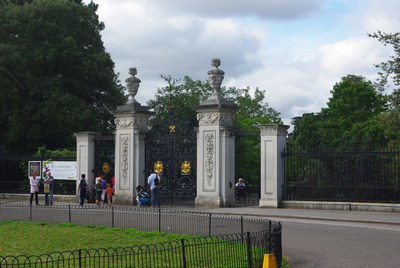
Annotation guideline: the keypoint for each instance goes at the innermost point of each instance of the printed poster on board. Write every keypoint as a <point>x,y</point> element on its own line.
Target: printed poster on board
<point>61,170</point>
<point>35,168</point>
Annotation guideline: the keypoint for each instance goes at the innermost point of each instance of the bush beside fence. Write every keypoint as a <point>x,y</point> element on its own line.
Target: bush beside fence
<point>224,240</point>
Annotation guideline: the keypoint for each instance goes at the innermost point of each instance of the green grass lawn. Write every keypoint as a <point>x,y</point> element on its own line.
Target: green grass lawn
<point>30,238</point>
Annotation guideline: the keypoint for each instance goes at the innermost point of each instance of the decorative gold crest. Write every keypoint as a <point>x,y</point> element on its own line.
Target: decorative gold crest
<point>105,167</point>
<point>172,128</point>
<point>158,167</point>
<point>185,167</point>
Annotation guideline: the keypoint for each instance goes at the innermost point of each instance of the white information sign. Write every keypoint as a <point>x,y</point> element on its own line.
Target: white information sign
<point>61,170</point>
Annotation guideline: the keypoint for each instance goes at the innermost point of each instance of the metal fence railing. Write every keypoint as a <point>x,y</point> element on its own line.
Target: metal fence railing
<point>221,240</point>
<point>361,175</point>
<point>250,196</point>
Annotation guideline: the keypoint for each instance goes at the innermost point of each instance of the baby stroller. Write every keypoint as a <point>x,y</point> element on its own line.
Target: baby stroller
<point>142,197</point>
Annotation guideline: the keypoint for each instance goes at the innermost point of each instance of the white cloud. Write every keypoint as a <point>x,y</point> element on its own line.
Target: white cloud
<point>276,9</point>
<point>294,49</point>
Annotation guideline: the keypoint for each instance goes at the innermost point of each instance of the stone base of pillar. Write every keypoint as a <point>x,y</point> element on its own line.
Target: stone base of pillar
<point>268,203</point>
<point>208,202</point>
<point>123,200</point>
<point>213,202</point>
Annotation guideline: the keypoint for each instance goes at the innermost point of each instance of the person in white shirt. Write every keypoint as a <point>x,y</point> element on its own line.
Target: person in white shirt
<point>240,187</point>
<point>34,182</point>
<point>154,180</point>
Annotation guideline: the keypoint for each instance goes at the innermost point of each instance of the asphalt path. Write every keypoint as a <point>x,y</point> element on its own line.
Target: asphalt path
<point>336,244</point>
<point>311,238</point>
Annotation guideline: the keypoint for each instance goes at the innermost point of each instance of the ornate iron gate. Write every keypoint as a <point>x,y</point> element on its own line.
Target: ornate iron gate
<point>104,156</point>
<point>171,152</point>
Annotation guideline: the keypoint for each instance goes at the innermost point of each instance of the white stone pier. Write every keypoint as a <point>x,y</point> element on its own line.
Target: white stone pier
<point>273,142</point>
<point>131,122</point>
<point>215,147</point>
<point>85,155</point>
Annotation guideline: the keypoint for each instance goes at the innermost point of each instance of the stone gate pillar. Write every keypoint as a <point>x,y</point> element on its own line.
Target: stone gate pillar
<point>273,142</point>
<point>85,158</point>
<point>131,122</point>
<point>215,147</point>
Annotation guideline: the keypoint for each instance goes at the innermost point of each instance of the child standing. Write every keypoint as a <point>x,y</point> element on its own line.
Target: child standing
<point>98,189</point>
<point>109,193</point>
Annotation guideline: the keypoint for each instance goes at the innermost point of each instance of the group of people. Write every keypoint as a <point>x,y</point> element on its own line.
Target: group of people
<point>48,189</point>
<point>104,191</point>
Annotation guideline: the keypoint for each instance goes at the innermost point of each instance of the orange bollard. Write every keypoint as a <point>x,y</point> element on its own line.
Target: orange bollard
<point>269,261</point>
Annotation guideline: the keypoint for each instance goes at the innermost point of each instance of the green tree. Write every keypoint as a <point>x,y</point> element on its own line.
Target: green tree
<point>56,77</point>
<point>354,106</point>
<point>307,133</point>
<point>352,118</point>
<point>176,102</point>
<point>390,76</point>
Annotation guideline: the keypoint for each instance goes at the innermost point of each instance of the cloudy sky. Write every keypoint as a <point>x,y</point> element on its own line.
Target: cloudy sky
<point>296,50</point>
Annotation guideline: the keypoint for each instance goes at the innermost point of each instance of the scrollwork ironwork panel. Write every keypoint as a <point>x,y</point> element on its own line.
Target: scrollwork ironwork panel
<point>176,150</point>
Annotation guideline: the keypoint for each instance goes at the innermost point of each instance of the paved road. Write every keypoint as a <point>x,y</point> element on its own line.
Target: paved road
<point>327,238</point>
<point>316,243</point>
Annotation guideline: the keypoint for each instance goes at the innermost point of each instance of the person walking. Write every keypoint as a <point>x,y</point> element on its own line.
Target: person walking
<point>82,190</point>
<point>34,183</point>
<point>98,188</point>
<point>104,187</point>
<point>48,189</point>
<point>109,193</point>
<point>154,181</point>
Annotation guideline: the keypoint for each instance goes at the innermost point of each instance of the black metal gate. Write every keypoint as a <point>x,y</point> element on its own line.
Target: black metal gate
<point>105,156</point>
<point>171,152</point>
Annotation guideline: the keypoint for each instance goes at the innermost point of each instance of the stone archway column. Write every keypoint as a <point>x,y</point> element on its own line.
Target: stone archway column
<point>131,127</point>
<point>85,158</point>
<point>215,147</point>
<point>215,158</point>
<point>273,142</point>
<point>131,121</point>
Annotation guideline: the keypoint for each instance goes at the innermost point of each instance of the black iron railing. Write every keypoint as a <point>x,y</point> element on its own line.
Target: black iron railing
<point>223,240</point>
<point>344,175</point>
<point>250,196</point>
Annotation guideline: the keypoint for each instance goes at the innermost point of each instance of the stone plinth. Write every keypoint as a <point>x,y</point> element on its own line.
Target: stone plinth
<point>131,122</point>
<point>215,146</point>
<point>273,142</point>
<point>85,158</point>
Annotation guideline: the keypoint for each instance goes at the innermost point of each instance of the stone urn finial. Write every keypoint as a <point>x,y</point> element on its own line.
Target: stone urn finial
<point>215,76</point>
<point>132,84</point>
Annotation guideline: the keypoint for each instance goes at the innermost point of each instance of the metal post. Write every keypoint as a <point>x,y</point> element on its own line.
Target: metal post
<point>248,244</point>
<point>209,224</point>
<point>172,167</point>
<point>30,212</point>
<point>159,219</point>
<point>112,216</point>
<point>241,227</point>
<point>80,258</point>
<point>183,253</point>
<point>69,213</point>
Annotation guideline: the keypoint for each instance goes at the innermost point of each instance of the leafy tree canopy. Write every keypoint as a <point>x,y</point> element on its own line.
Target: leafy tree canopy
<point>390,75</point>
<point>350,120</point>
<point>181,97</point>
<point>55,76</point>
<point>176,103</point>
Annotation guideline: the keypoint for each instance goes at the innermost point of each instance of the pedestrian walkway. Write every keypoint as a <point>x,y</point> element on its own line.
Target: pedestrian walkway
<point>289,213</point>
